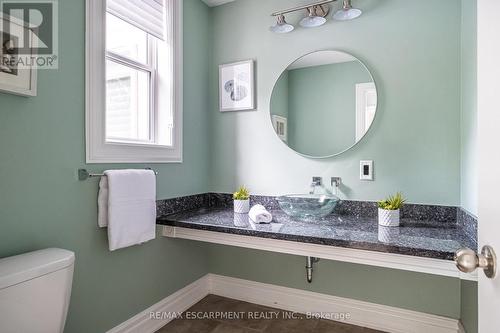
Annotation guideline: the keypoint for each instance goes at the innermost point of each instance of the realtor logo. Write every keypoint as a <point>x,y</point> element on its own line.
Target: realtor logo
<point>35,45</point>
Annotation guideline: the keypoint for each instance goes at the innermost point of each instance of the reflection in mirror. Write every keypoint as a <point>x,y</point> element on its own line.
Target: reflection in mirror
<point>323,103</point>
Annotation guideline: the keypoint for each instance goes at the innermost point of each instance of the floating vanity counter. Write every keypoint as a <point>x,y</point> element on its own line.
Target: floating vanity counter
<point>420,244</point>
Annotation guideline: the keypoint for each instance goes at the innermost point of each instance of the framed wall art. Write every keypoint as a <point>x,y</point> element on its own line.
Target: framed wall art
<point>18,73</point>
<point>237,86</point>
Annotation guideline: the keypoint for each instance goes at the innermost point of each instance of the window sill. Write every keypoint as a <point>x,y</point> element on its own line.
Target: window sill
<point>138,144</point>
<point>134,153</point>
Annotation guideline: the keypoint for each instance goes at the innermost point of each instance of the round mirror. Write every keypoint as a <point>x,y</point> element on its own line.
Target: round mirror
<point>323,103</point>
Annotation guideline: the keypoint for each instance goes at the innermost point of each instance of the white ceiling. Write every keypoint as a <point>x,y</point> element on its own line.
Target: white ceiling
<point>214,3</point>
<point>322,58</point>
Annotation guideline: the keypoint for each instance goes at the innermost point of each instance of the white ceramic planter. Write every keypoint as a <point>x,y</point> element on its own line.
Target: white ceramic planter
<point>242,206</point>
<point>388,218</point>
<point>388,234</point>
<point>240,220</point>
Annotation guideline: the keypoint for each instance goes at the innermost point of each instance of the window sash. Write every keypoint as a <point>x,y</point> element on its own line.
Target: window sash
<point>151,119</point>
<point>129,62</point>
<point>151,69</point>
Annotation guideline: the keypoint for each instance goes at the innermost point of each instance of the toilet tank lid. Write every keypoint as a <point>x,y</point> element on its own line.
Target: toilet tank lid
<point>24,267</point>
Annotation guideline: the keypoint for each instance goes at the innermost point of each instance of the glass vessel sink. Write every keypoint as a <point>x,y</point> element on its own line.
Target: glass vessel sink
<point>308,206</point>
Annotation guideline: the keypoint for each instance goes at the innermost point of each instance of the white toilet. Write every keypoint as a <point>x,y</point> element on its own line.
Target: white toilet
<point>34,291</point>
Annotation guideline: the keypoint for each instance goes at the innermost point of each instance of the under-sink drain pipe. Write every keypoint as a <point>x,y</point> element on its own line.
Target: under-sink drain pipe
<point>310,261</point>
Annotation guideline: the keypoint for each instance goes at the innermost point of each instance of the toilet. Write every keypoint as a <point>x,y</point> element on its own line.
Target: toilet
<point>35,289</point>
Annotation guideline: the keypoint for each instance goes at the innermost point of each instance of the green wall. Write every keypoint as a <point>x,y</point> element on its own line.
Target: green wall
<point>469,189</point>
<point>413,291</point>
<point>322,107</point>
<point>469,306</point>
<point>42,204</point>
<point>279,102</point>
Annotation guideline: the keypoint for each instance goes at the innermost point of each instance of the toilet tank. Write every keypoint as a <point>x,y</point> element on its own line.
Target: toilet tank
<point>34,291</point>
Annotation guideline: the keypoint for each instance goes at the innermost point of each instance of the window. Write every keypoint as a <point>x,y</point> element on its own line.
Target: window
<point>366,107</point>
<point>134,86</point>
<point>130,72</point>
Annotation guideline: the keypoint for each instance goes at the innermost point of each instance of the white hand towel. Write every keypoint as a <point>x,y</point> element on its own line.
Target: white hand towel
<point>259,214</point>
<point>129,208</point>
<point>102,203</point>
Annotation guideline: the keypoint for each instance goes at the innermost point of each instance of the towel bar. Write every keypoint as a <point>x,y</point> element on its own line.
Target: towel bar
<point>83,174</point>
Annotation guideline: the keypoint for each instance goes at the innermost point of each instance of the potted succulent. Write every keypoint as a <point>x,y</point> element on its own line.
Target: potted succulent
<point>241,200</point>
<point>389,210</point>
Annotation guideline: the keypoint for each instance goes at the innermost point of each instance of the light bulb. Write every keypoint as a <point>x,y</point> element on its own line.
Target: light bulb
<point>312,20</point>
<point>281,27</point>
<point>347,12</point>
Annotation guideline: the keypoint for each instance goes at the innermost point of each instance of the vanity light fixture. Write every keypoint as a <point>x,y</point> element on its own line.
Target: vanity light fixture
<point>316,15</point>
<point>281,27</point>
<point>347,12</point>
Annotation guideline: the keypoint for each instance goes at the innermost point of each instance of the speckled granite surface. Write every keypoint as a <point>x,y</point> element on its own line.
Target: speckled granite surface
<point>171,206</point>
<point>426,231</point>
<point>468,223</point>
<point>429,239</point>
<point>345,207</point>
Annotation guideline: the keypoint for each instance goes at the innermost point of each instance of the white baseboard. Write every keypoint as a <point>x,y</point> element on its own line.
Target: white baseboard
<point>375,316</point>
<point>178,302</point>
<point>381,317</point>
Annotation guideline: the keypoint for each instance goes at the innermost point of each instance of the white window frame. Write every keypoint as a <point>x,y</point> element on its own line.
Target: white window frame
<point>362,90</point>
<point>98,150</point>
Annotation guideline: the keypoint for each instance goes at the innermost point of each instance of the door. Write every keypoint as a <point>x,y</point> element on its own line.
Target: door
<point>489,155</point>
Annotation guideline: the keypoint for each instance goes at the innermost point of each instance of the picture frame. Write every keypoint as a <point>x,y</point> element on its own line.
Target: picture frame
<point>280,125</point>
<point>237,86</point>
<point>19,78</point>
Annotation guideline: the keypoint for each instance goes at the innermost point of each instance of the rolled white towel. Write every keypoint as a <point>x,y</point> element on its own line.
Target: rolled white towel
<point>259,214</point>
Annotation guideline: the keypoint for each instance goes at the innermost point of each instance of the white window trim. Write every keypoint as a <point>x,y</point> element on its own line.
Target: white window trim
<point>97,149</point>
<point>361,91</point>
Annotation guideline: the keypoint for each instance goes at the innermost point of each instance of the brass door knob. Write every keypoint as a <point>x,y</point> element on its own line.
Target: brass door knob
<point>468,261</point>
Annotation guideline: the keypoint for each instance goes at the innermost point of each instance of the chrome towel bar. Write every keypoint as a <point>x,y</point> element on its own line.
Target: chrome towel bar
<point>83,174</point>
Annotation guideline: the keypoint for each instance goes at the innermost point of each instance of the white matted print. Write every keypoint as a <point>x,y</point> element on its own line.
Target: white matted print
<point>280,125</point>
<point>237,86</point>
<point>17,75</point>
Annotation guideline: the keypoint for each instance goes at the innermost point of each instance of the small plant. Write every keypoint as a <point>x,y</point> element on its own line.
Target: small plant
<point>393,202</point>
<point>241,194</point>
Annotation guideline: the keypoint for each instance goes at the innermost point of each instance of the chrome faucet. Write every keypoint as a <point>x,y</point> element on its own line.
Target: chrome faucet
<point>317,181</point>
<point>336,182</point>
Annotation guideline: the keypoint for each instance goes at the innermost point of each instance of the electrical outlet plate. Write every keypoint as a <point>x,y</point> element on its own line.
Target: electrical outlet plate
<point>366,170</point>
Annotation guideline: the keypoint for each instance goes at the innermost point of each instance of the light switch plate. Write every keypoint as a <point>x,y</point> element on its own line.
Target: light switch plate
<point>366,170</point>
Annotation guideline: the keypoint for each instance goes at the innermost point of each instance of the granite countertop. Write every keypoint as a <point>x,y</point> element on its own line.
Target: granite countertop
<point>429,239</point>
